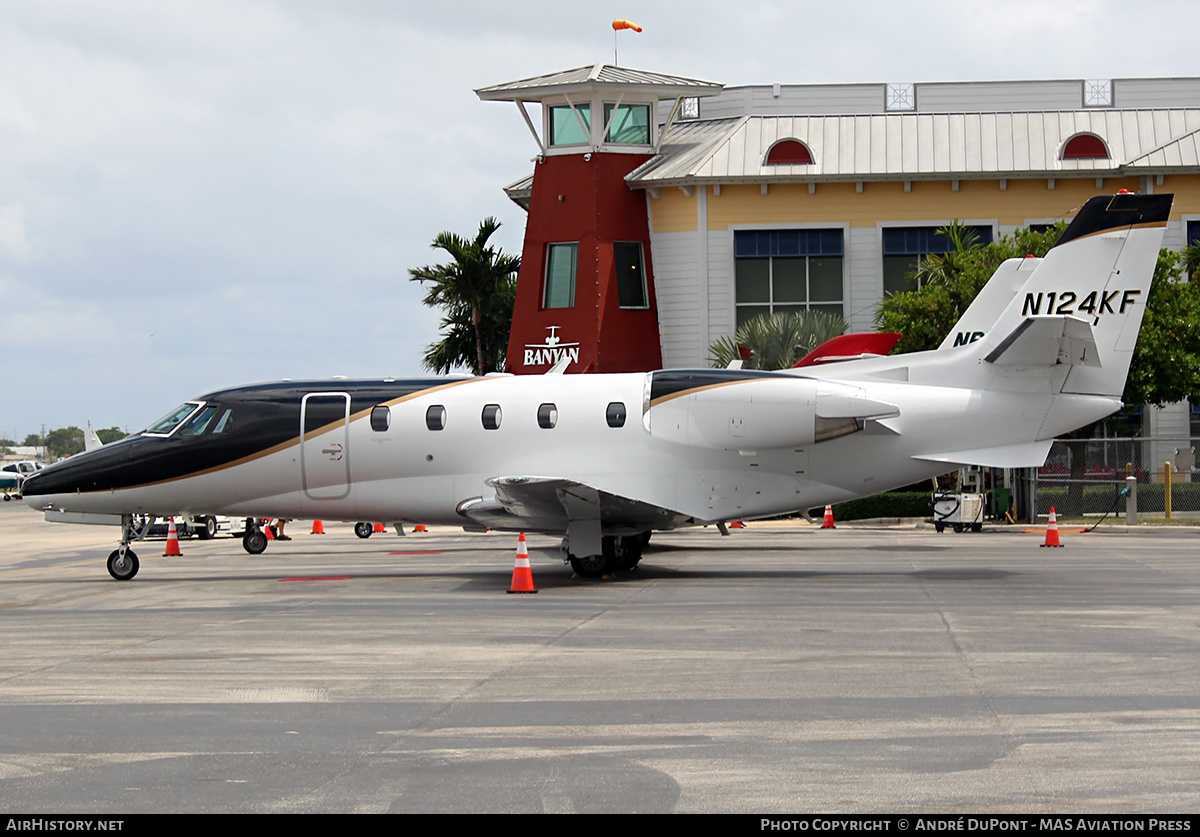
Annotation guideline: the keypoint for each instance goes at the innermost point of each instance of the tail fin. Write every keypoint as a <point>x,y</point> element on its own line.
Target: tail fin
<point>1000,290</point>
<point>1083,303</point>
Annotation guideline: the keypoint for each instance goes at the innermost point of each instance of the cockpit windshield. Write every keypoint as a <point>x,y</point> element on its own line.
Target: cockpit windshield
<point>166,425</point>
<point>196,424</point>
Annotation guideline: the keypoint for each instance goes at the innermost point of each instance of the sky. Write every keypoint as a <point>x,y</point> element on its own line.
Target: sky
<point>198,193</point>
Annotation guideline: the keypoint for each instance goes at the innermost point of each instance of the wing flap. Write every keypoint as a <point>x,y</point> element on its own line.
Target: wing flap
<point>1023,455</point>
<point>555,504</point>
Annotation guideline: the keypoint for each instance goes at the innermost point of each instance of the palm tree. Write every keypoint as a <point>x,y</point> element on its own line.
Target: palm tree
<point>476,290</point>
<point>778,340</point>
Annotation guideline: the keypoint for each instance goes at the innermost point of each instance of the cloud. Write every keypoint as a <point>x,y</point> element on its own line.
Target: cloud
<point>13,240</point>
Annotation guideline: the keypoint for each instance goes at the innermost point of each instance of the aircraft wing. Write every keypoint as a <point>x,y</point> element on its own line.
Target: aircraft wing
<point>1047,341</point>
<point>555,504</point>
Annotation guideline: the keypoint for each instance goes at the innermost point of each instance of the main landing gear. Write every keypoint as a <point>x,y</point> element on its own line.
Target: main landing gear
<point>619,553</point>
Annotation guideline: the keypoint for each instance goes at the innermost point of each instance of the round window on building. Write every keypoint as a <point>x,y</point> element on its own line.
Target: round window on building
<point>615,414</point>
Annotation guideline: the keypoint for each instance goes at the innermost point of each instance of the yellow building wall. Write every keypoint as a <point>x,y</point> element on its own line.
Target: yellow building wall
<point>790,203</point>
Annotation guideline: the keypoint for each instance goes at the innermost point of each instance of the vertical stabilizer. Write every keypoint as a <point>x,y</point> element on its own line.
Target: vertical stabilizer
<point>1096,276</point>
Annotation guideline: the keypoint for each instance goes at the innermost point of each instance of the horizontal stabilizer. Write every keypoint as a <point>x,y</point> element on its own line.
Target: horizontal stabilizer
<point>1023,455</point>
<point>1048,341</point>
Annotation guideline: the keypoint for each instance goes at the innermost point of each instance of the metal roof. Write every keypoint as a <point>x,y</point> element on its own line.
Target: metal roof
<point>596,78</point>
<point>923,145</point>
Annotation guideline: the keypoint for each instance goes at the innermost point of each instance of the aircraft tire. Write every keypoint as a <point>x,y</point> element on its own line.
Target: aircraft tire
<point>363,530</point>
<point>123,569</point>
<point>589,566</point>
<point>958,528</point>
<point>208,530</point>
<point>623,553</point>
<point>254,542</point>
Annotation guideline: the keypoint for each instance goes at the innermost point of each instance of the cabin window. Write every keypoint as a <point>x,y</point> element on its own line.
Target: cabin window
<point>627,124</point>
<point>787,270</point>
<point>381,417</point>
<point>561,262</point>
<point>615,414</point>
<point>547,416</point>
<point>435,417</point>
<point>631,274</point>
<point>904,247</point>
<point>565,128</point>
<point>491,416</point>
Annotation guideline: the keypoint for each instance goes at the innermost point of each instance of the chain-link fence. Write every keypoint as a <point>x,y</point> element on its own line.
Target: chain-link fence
<point>1084,478</point>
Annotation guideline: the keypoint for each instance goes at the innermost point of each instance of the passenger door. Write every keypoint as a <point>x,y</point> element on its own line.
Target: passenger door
<point>325,445</point>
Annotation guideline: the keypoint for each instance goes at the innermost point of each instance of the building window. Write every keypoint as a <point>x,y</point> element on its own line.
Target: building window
<point>787,270</point>
<point>1193,233</point>
<point>381,418</point>
<point>789,151</point>
<point>615,414</point>
<point>491,417</point>
<point>565,128</point>
<point>1085,147</point>
<point>547,416</point>
<point>903,248</point>
<point>561,260</point>
<point>690,108</point>
<point>1097,93</point>
<point>631,274</point>
<point>435,417</point>
<point>629,126</point>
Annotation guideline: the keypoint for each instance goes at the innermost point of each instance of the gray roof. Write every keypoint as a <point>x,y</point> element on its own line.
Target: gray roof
<point>597,77</point>
<point>924,145</point>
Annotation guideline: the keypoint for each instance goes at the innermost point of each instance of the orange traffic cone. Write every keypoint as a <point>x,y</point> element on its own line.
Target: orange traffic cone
<point>318,528</point>
<point>1052,530</point>
<point>420,527</point>
<point>828,524</point>
<point>172,541</point>
<point>522,580</point>
<point>378,528</point>
<point>268,529</point>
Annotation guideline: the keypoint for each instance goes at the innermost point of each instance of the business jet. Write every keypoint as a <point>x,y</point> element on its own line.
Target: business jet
<point>604,460</point>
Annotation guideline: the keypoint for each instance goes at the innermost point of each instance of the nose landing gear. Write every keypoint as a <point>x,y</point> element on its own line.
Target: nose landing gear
<point>123,562</point>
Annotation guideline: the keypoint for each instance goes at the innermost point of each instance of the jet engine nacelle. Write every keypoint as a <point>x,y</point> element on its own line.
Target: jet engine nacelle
<point>763,414</point>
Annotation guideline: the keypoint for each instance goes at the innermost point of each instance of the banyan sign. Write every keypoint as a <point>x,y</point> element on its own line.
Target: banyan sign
<point>551,351</point>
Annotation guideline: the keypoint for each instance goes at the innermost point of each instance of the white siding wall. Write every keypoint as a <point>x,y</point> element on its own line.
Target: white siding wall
<point>998,96</point>
<point>676,267</point>
<point>1155,92</point>
<point>721,316</point>
<point>809,99</point>
<point>864,276</point>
